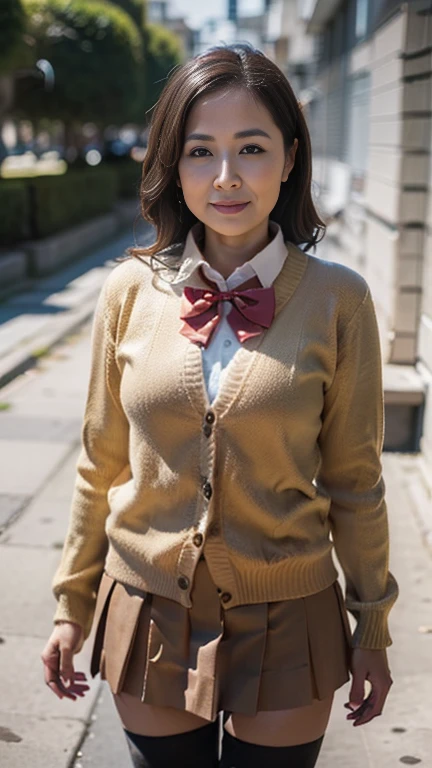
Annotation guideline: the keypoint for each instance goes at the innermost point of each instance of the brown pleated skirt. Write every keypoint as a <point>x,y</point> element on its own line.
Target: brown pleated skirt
<point>204,659</point>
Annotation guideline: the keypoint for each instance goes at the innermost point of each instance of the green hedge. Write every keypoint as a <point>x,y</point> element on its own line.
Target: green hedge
<point>35,207</point>
<point>15,211</point>
<point>60,202</point>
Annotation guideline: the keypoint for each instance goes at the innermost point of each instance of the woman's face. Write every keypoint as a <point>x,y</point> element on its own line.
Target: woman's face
<point>217,165</point>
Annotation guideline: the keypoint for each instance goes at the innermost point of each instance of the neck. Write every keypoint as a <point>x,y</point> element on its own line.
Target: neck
<point>225,252</point>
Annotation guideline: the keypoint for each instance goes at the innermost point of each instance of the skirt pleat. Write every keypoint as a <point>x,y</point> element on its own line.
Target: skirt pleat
<point>250,658</point>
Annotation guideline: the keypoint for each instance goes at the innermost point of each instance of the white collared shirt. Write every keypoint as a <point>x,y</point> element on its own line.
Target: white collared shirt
<point>265,265</point>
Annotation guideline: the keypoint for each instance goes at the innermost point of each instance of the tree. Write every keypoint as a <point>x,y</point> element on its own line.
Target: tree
<point>96,51</point>
<point>163,52</point>
<point>135,8</point>
<point>12,25</point>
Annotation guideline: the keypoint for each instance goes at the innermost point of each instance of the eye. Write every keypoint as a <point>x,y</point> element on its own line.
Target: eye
<point>249,146</point>
<point>198,149</point>
<point>253,146</point>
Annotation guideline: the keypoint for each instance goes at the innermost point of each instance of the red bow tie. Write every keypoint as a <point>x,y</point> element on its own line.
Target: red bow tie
<point>252,312</point>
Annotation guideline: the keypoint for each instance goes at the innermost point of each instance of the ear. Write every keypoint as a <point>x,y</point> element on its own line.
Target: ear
<point>290,160</point>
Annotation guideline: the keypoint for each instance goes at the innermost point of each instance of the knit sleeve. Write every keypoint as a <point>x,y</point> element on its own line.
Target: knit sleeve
<point>351,441</point>
<point>103,456</point>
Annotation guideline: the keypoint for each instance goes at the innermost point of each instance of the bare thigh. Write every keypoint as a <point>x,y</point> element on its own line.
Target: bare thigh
<point>284,728</point>
<point>148,720</point>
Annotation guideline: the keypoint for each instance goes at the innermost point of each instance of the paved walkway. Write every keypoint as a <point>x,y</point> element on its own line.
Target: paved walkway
<point>33,321</point>
<point>39,442</point>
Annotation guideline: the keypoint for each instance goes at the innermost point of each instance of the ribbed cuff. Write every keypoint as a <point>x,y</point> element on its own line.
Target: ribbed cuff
<point>372,631</point>
<point>71,608</point>
<point>372,617</point>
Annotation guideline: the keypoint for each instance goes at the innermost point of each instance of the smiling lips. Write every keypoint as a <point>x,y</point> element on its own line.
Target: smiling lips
<point>229,207</point>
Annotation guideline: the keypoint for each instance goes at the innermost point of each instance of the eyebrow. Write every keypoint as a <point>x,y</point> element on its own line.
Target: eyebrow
<point>239,135</point>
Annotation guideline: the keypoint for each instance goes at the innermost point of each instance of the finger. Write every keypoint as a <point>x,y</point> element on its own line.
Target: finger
<point>357,692</point>
<point>375,700</point>
<point>53,681</point>
<point>50,657</point>
<point>71,692</point>
<point>52,677</point>
<point>50,662</point>
<point>54,688</point>
<point>80,690</point>
<point>373,709</point>
<point>66,668</point>
<point>80,676</point>
<point>355,714</point>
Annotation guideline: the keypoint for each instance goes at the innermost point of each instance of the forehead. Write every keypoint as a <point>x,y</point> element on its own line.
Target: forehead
<point>227,108</point>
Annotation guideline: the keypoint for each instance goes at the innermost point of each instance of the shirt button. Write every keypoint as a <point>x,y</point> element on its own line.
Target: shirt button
<point>207,490</point>
<point>210,417</point>
<point>226,597</point>
<point>227,343</point>
<point>198,539</point>
<point>207,430</point>
<point>183,582</point>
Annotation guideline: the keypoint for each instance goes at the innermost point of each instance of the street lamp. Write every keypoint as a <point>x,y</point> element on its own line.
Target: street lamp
<point>43,69</point>
<point>47,70</point>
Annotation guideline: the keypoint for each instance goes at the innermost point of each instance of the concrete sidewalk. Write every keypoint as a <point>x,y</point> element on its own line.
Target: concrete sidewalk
<point>39,445</point>
<point>34,321</point>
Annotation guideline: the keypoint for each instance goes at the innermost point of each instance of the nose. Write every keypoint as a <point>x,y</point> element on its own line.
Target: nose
<point>227,178</point>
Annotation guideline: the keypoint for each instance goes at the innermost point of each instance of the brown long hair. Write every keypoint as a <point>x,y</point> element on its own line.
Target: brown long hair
<point>236,65</point>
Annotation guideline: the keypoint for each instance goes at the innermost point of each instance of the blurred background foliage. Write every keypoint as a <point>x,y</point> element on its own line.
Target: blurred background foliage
<point>12,31</point>
<point>96,51</point>
<point>78,81</point>
<point>108,63</point>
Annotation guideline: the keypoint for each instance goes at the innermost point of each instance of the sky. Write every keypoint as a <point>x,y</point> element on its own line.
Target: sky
<point>197,11</point>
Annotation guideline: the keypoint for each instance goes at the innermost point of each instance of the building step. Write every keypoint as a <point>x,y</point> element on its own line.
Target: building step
<point>404,403</point>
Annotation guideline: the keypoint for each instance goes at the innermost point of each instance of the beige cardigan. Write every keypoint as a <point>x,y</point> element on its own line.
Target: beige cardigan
<point>288,452</point>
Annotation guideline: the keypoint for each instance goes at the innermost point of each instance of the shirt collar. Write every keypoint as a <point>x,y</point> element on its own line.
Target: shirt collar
<point>266,264</point>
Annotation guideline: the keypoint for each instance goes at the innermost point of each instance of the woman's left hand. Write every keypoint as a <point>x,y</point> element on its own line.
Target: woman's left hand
<point>372,665</point>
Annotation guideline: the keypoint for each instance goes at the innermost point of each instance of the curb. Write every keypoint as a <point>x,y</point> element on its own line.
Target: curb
<point>27,356</point>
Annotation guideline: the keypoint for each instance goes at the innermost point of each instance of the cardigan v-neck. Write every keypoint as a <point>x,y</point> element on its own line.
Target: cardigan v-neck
<point>265,266</point>
<point>288,452</point>
<point>284,285</point>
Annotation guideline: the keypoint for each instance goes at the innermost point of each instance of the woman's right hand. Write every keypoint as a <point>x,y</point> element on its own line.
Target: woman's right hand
<point>66,639</point>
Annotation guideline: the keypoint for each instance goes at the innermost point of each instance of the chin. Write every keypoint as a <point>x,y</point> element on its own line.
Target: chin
<point>230,223</point>
<point>240,229</point>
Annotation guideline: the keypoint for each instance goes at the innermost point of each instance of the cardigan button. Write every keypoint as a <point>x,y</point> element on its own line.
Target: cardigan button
<point>207,490</point>
<point>183,582</point>
<point>210,417</point>
<point>207,430</point>
<point>226,597</point>
<point>198,539</point>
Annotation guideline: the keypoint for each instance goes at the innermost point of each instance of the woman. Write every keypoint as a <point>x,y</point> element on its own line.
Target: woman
<point>234,421</point>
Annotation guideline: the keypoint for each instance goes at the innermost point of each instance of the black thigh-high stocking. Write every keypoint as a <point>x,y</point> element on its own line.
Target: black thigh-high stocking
<point>241,754</point>
<point>193,749</point>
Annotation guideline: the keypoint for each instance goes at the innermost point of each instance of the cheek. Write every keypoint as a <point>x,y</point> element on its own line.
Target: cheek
<point>265,185</point>
<point>193,177</point>
<point>265,175</point>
